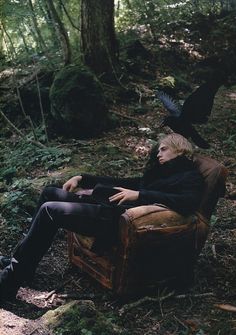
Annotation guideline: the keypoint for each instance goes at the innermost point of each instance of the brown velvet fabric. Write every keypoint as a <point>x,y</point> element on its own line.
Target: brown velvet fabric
<point>151,216</point>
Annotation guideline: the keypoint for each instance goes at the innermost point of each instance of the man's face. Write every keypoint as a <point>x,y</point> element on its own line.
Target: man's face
<point>165,153</point>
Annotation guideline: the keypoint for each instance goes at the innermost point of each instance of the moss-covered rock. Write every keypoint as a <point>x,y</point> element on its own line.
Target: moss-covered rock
<point>78,103</point>
<point>79,317</point>
<point>30,95</point>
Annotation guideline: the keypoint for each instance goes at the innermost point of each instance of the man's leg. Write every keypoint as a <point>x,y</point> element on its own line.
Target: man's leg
<point>81,218</point>
<point>4,261</point>
<point>53,193</point>
<point>49,193</point>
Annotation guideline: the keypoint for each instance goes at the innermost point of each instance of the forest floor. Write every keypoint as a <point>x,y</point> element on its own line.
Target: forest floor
<point>207,308</point>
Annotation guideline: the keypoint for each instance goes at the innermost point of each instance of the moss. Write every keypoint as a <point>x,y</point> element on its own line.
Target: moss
<point>168,81</point>
<point>78,103</point>
<point>79,317</point>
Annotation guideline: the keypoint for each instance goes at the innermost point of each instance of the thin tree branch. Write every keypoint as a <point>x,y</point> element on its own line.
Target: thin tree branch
<point>41,106</point>
<point>9,38</point>
<point>62,33</point>
<point>19,132</point>
<point>142,301</point>
<point>27,117</point>
<point>160,299</point>
<point>68,16</point>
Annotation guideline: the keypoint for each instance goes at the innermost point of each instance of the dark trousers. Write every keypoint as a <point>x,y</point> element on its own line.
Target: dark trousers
<point>60,209</point>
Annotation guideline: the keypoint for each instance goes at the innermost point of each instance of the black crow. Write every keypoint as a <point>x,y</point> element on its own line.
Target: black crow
<point>196,109</point>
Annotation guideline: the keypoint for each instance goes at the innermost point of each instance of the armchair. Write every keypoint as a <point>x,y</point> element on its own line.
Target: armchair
<point>154,243</point>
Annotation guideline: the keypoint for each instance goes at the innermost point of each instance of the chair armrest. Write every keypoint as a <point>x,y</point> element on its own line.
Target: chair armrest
<point>162,224</point>
<point>151,217</point>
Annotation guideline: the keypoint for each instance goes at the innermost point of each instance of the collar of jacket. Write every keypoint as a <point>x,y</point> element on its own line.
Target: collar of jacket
<point>171,167</point>
<point>178,164</point>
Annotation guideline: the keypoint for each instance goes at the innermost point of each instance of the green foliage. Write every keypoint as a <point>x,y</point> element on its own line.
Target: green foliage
<point>139,15</point>
<point>74,323</point>
<point>21,196</point>
<point>24,156</point>
<point>7,174</point>
<point>219,38</point>
<point>176,83</point>
<point>182,83</point>
<point>20,199</point>
<point>23,25</point>
<point>168,81</point>
<point>152,17</point>
<point>126,37</point>
<point>157,16</point>
<point>214,220</point>
<point>230,141</point>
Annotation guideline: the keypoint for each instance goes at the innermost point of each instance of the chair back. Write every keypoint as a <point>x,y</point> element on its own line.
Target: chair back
<point>214,174</point>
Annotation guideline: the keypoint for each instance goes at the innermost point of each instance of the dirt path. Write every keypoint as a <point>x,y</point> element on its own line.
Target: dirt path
<point>11,324</point>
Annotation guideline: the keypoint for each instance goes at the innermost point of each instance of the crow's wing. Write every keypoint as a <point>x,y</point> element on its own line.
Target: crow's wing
<point>173,107</point>
<point>197,107</point>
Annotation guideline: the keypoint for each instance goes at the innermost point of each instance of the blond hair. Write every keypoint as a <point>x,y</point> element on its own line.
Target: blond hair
<point>179,144</point>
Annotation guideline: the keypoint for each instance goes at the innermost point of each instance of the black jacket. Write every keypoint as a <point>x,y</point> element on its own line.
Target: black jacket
<point>176,184</point>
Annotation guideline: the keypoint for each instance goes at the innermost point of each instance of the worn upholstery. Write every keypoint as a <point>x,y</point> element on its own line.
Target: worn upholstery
<point>214,174</point>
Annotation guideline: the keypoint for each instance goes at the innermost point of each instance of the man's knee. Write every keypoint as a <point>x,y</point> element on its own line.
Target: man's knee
<point>54,209</point>
<point>50,209</point>
<point>49,193</point>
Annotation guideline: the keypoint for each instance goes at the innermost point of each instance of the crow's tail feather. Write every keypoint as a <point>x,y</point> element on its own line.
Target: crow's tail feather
<point>198,140</point>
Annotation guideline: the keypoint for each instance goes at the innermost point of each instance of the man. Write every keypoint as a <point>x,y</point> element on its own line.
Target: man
<point>170,179</point>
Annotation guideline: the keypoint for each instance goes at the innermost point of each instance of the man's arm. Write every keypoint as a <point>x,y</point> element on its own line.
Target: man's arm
<point>185,201</point>
<point>72,183</point>
<point>89,181</point>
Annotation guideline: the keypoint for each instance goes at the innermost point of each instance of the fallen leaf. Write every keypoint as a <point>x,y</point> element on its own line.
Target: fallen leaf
<point>226,307</point>
<point>192,324</point>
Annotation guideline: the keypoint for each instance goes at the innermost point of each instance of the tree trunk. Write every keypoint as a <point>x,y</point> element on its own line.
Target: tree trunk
<point>68,16</point>
<point>1,43</point>
<point>98,41</point>
<point>63,36</point>
<point>11,50</point>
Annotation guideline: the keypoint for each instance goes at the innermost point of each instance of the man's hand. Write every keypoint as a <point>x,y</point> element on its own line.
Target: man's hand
<point>72,183</point>
<point>125,194</point>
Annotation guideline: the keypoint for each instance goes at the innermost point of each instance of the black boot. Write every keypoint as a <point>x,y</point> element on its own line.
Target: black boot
<point>4,261</point>
<point>9,283</point>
